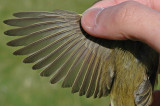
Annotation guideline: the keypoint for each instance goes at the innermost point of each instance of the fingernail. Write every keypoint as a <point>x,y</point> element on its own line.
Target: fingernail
<point>89,17</point>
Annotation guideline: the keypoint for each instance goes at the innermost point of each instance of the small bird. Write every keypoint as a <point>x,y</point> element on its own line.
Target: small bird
<point>55,41</point>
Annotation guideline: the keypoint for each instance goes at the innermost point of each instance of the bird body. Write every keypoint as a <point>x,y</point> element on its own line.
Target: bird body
<point>125,70</point>
<point>132,83</point>
<point>132,74</point>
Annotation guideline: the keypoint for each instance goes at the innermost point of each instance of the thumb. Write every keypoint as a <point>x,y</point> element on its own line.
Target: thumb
<point>127,20</point>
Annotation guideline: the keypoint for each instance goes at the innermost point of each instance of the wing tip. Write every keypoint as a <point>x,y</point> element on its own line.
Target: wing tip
<point>81,93</point>
<point>53,81</point>
<point>65,85</point>
<point>41,74</point>
<point>7,32</point>
<point>26,60</point>
<point>44,74</point>
<point>11,43</point>
<point>8,22</point>
<point>10,33</point>
<point>35,67</point>
<point>17,53</point>
<point>88,96</point>
<point>5,21</point>
<point>16,14</point>
<point>74,91</point>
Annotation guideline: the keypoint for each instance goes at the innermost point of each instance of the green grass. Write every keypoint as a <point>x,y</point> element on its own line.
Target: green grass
<point>19,84</point>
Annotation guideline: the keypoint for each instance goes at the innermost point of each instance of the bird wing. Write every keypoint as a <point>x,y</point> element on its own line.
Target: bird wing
<point>143,94</point>
<point>56,42</point>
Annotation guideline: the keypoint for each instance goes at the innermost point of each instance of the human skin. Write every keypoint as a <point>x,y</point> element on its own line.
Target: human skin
<point>126,19</point>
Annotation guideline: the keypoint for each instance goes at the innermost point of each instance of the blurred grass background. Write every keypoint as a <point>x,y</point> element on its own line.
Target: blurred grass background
<point>19,84</point>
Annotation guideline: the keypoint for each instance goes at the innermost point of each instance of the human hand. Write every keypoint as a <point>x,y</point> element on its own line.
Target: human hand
<point>119,20</point>
<point>126,19</point>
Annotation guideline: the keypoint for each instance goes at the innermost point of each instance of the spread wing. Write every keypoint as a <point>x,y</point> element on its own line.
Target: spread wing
<point>56,42</point>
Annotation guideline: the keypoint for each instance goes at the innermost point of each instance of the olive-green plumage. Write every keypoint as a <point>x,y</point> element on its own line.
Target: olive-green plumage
<point>125,70</point>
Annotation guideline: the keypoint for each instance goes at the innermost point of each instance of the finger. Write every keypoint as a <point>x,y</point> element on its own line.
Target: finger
<point>127,20</point>
<point>154,4</point>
